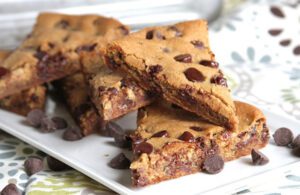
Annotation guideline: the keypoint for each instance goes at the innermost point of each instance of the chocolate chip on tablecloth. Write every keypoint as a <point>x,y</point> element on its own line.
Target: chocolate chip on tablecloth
<point>120,162</point>
<point>10,189</point>
<point>213,164</point>
<point>56,165</point>
<point>33,165</point>
<point>258,158</point>
<point>283,136</point>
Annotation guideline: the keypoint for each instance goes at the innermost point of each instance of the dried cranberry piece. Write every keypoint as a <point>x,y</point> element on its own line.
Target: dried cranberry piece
<point>60,123</point>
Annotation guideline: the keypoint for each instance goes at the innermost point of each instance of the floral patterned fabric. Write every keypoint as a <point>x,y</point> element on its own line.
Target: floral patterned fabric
<point>258,46</point>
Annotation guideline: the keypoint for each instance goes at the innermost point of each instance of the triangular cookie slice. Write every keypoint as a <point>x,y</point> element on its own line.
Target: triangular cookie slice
<point>176,62</point>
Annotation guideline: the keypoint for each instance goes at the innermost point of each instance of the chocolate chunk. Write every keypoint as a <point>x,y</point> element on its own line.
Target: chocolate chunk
<point>185,58</point>
<point>163,133</point>
<point>285,42</point>
<point>219,80</point>
<point>3,71</point>
<point>143,147</point>
<point>63,24</point>
<point>88,48</point>
<point>60,123</point>
<point>124,30</point>
<point>10,189</point>
<point>178,33</point>
<point>119,135</point>
<point>47,125</point>
<point>213,164</point>
<point>187,137</point>
<point>81,109</point>
<point>283,136</point>
<point>150,35</point>
<point>296,50</point>
<point>56,165</point>
<point>120,162</point>
<point>33,165</point>
<point>72,134</point>
<point>276,11</point>
<point>209,63</point>
<point>296,151</point>
<point>35,116</point>
<point>192,74</point>
<point>197,128</point>
<point>275,32</point>
<point>296,142</point>
<point>258,158</point>
<point>198,44</point>
<point>155,69</point>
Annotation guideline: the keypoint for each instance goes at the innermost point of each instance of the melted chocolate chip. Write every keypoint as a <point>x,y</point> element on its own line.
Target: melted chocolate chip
<point>47,125</point>
<point>56,165</point>
<point>276,11</point>
<point>143,147</point>
<point>275,32</point>
<point>285,42</point>
<point>219,80</point>
<point>34,117</point>
<point>209,63</point>
<point>10,189</point>
<point>283,136</point>
<point>185,58</point>
<point>120,162</point>
<point>63,24</point>
<point>33,165</point>
<point>197,128</point>
<point>81,109</point>
<point>150,35</point>
<point>198,44</point>
<point>213,164</point>
<point>163,133</point>
<point>124,30</point>
<point>72,134</point>
<point>3,71</point>
<point>258,158</point>
<point>187,137</point>
<point>296,142</point>
<point>192,74</point>
<point>60,123</point>
<point>178,33</point>
<point>155,69</point>
<point>88,48</point>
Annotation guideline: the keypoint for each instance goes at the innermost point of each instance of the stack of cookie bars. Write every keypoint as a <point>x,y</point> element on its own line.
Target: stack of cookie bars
<point>168,73</point>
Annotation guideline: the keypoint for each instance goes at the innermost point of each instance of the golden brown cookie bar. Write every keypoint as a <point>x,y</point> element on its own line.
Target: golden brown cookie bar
<point>52,49</point>
<point>26,100</point>
<point>176,62</point>
<point>171,142</point>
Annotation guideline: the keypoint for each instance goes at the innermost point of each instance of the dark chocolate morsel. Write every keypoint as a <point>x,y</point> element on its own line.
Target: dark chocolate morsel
<point>143,147</point>
<point>120,162</point>
<point>187,136</point>
<point>296,142</point>
<point>192,74</point>
<point>35,116</point>
<point>60,123</point>
<point>72,134</point>
<point>213,164</point>
<point>185,58</point>
<point>10,189</point>
<point>258,158</point>
<point>197,128</point>
<point>163,133</point>
<point>56,165</point>
<point>33,165</point>
<point>283,136</point>
<point>47,125</point>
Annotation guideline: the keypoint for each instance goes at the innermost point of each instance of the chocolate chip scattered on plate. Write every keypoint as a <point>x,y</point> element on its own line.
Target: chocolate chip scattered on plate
<point>72,134</point>
<point>33,165</point>
<point>283,136</point>
<point>258,158</point>
<point>296,142</point>
<point>60,123</point>
<point>34,117</point>
<point>119,162</point>
<point>47,125</point>
<point>213,164</point>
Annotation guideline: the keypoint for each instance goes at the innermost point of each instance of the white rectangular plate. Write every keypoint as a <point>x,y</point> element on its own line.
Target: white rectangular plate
<point>91,155</point>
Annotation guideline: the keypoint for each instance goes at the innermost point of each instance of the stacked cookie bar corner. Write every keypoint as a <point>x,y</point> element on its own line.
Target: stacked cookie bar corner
<point>168,73</point>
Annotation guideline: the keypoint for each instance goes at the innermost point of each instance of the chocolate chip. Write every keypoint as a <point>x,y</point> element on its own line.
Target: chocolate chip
<point>296,50</point>
<point>33,165</point>
<point>258,158</point>
<point>10,189</point>
<point>192,74</point>
<point>296,151</point>
<point>120,162</point>
<point>35,116</point>
<point>60,123</point>
<point>187,137</point>
<point>283,136</point>
<point>3,71</point>
<point>112,90</point>
<point>150,35</point>
<point>185,58</point>
<point>197,128</point>
<point>175,106</point>
<point>277,11</point>
<point>72,134</point>
<point>285,42</point>
<point>124,30</point>
<point>47,125</point>
<point>81,109</point>
<point>119,135</point>
<point>143,147</point>
<point>275,32</point>
<point>219,80</point>
<point>56,165</point>
<point>63,24</point>
<point>209,63</point>
<point>296,142</point>
<point>88,48</point>
<point>163,133</point>
<point>178,33</point>
<point>213,164</point>
<point>198,44</point>
<point>154,69</point>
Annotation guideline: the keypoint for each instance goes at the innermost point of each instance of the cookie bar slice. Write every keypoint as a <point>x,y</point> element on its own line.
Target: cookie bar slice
<point>171,142</point>
<point>176,62</point>
<point>23,101</point>
<point>51,51</point>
